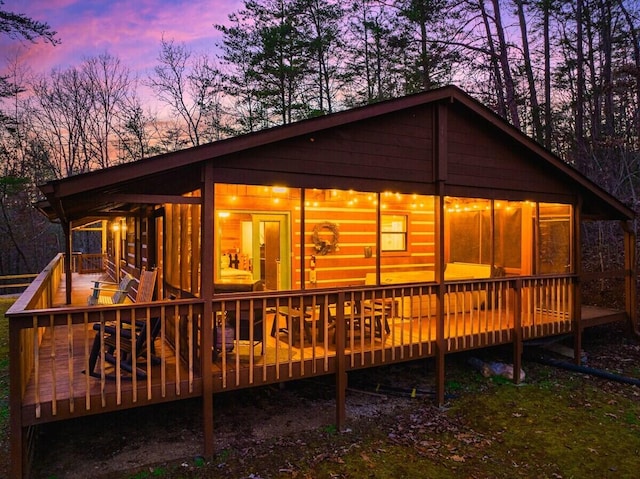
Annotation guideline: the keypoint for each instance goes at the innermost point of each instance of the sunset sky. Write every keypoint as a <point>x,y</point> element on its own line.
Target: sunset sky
<point>129,30</point>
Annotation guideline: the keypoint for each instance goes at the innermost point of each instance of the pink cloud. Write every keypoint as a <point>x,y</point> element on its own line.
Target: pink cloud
<point>128,30</point>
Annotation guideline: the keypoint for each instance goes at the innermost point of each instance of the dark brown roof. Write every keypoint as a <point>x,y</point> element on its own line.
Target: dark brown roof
<point>164,178</point>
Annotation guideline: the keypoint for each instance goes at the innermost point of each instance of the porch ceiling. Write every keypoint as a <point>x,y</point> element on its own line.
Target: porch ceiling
<point>119,198</point>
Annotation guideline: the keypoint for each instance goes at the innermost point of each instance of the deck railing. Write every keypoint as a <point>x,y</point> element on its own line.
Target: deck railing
<point>479,313</point>
<point>262,338</point>
<point>15,283</point>
<point>56,362</point>
<point>547,306</point>
<point>85,263</point>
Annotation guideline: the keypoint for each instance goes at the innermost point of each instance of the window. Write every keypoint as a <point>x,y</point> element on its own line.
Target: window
<point>393,233</point>
<point>554,238</point>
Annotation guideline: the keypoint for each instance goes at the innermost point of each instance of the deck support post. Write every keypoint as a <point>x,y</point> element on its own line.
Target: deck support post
<point>207,232</point>
<point>341,367</point>
<point>517,331</point>
<point>441,346</point>
<point>66,228</point>
<point>630,286</point>
<point>576,287</point>
<point>17,441</point>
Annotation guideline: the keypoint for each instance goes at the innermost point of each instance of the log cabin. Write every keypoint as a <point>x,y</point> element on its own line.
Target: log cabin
<point>406,229</point>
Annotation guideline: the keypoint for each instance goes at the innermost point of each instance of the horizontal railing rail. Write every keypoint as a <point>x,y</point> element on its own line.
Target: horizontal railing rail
<point>72,360</point>
<point>40,293</point>
<point>66,372</point>
<point>11,283</point>
<point>85,263</point>
<point>547,306</point>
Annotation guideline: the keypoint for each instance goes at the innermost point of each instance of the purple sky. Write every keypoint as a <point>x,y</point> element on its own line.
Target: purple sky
<point>129,30</point>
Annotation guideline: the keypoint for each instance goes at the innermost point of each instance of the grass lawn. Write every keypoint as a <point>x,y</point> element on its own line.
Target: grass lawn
<point>558,424</point>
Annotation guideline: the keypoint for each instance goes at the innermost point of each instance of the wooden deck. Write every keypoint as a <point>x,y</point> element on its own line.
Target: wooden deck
<point>58,387</point>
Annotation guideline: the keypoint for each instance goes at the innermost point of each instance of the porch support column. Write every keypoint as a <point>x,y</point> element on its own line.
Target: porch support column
<point>66,228</point>
<point>206,291</point>
<point>440,160</point>
<point>440,339</point>
<point>18,433</point>
<point>517,330</point>
<point>341,367</point>
<point>576,307</point>
<point>631,295</point>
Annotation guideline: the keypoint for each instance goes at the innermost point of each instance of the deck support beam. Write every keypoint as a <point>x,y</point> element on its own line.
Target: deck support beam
<point>66,228</point>
<point>441,346</point>
<point>440,165</point>
<point>18,449</point>
<point>517,331</point>
<point>207,232</point>
<point>341,367</point>
<point>631,298</point>
<point>576,307</point>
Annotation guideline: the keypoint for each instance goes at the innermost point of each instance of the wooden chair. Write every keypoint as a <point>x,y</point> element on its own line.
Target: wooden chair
<point>146,286</point>
<point>134,342</point>
<point>116,295</point>
<point>375,311</point>
<point>129,348</point>
<point>368,316</point>
<point>294,316</point>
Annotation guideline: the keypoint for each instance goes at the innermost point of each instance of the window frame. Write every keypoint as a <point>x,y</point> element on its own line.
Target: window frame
<point>405,215</point>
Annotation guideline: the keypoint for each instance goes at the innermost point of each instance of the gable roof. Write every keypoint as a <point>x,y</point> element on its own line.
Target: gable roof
<point>165,178</point>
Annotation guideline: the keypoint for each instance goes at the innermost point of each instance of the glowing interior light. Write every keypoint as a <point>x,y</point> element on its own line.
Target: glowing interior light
<point>223,214</point>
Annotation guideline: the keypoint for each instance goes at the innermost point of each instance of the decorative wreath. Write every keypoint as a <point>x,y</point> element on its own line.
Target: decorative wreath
<point>325,246</point>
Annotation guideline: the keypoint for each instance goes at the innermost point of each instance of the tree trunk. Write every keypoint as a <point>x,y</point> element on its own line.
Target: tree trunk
<point>607,74</point>
<point>497,76</point>
<point>533,95</point>
<point>579,126</point>
<point>424,55</point>
<point>636,59</point>
<point>510,91</point>
<point>548,125</point>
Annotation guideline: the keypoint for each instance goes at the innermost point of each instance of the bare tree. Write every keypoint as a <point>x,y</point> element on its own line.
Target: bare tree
<point>191,88</point>
<point>136,131</point>
<point>107,84</point>
<point>63,107</point>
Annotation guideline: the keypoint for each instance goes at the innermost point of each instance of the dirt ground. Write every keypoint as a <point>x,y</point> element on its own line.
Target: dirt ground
<point>264,418</point>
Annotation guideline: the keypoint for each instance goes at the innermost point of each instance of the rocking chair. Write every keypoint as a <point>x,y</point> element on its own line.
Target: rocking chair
<point>135,339</point>
<point>117,295</point>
